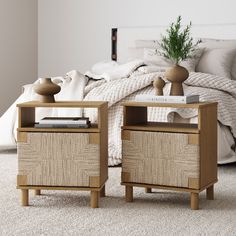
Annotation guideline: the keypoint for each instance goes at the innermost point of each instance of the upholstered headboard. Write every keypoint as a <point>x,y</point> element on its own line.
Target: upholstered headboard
<point>124,38</point>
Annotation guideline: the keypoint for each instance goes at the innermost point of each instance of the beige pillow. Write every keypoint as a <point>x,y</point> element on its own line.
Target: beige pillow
<point>152,57</point>
<point>220,43</point>
<point>217,61</point>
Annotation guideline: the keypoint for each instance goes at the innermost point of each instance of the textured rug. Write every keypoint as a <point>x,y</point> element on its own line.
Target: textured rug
<point>158,213</point>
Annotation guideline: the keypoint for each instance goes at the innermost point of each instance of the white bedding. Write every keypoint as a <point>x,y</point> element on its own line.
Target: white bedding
<point>117,89</point>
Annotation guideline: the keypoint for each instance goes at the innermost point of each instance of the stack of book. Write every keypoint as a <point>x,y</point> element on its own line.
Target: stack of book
<point>63,122</point>
<point>168,99</point>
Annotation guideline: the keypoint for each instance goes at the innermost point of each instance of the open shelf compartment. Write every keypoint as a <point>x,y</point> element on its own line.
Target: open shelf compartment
<point>164,127</point>
<point>136,117</point>
<point>27,116</point>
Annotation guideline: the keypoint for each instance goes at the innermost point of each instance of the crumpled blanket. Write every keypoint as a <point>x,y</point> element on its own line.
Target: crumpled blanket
<point>75,86</point>
<point>112,70</point>
<point>72,88</point>
<point>209,87</point>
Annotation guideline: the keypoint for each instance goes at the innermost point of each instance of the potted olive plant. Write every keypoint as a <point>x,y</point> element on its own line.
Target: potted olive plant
<point>177,46</point>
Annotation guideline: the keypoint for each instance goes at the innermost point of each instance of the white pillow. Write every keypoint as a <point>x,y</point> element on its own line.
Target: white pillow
<point>217,61</point>
<point>152,57</point>
<point>220,43</point>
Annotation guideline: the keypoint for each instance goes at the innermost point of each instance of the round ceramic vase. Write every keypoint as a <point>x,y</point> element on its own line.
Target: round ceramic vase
<point>47,89</point>
<point>177,75</point>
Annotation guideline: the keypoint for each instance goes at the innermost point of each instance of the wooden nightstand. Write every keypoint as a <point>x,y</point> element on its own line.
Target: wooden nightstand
<point>174,156</point>
<point>59,158</point>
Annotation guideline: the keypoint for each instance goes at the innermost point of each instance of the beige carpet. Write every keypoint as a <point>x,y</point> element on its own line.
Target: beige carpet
<point>159,213</point>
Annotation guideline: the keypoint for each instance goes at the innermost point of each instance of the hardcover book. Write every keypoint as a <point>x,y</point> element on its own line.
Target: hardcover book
<point>64,120</point>
<point>38,125</point>
<point>168,99</point>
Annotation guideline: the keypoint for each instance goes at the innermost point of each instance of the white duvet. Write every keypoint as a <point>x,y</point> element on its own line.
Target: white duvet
<point>123,83</point>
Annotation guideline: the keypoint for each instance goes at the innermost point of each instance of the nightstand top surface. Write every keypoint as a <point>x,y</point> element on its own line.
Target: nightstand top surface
<point>68,104</point>
<point>174,105</point>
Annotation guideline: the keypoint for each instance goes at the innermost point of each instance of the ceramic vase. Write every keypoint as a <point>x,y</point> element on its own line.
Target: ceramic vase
<point>177,75</point>
<point>159,84</point>
<point>47,89</point>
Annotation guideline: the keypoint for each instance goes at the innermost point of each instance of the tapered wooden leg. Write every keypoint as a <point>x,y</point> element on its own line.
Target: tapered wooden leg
<point>37,192</point>
<point>148,190</point>
<point>210,192</point>
<point>129,193</point>
<point>103,192</point>
<point>24,197</point>
<point>194,201</point>
<point>94,199</point>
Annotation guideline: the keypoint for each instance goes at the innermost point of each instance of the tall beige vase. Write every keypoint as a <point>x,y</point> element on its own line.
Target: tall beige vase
<point>47,89</point>
<point>177,75</point>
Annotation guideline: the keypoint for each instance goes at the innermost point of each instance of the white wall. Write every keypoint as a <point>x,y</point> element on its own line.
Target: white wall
<point>18,48</point>
<point>74,34</point>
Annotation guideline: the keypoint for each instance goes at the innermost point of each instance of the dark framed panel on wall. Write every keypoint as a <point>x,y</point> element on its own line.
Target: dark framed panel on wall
<point>114,44</point>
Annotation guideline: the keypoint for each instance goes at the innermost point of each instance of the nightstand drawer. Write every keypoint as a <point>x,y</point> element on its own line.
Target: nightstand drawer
<point>168,159</point>
<point>59,159</point>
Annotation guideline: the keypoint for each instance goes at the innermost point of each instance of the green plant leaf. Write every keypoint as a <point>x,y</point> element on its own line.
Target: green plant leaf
<point>177,45</point>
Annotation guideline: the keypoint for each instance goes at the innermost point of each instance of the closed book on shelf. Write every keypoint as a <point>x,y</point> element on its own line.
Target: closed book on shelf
<point>64,120</point>
<point>168,99</point>
<point>37,125</point>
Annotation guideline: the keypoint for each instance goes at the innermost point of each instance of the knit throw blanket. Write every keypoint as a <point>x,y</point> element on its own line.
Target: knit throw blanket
<point>209,87</point>
<point>116,89</point>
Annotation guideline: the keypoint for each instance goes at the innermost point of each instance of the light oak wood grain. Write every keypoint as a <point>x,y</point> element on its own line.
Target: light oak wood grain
<point>194,201</point>
<point>210,193</point>
<point>103,126</point>
<point>21,137</point>
<point>37,192</point>
<point>194,183</point>
<point>129,193</point>
<point>59,158</point>
<point>92,129</point>
<point>24,197</point>
<point>94,199</point>
<point>163,127</point>
<point>174,105</point>
<point>68,104</point>
<point>207,121</point>
<point>54,188</point>
<point>174,156</point>
<point>26,116</point>
<point>172,188</point>
<point>103,192</point>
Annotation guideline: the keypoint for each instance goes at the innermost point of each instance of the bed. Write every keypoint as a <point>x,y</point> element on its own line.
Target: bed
<point>131,73</point>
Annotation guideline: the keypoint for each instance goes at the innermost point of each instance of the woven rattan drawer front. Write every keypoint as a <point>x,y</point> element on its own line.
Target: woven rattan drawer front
<point>170,159</point>
<point>59,159</point>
